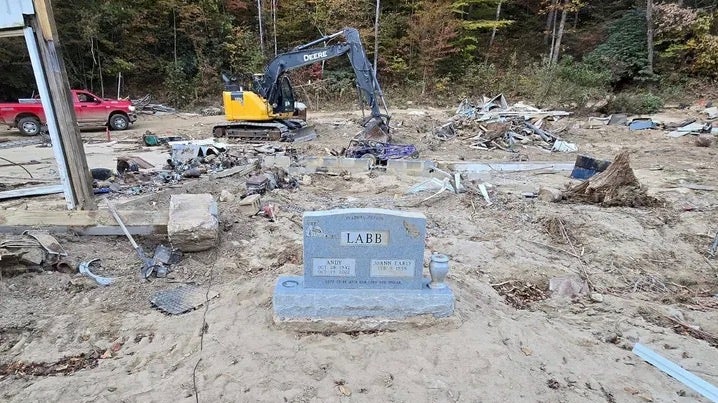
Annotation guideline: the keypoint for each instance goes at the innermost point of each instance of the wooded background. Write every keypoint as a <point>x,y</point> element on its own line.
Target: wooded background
<point>563,53</point>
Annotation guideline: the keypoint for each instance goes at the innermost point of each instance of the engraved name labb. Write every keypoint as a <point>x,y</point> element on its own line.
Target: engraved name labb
<point>365,238</point>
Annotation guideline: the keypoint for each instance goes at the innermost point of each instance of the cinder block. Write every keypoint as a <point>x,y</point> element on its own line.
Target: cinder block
<point>410,167</point>
<point>193,223</point>
<point>352,165</point>
<point>250,204</point>
<point>282,161</point>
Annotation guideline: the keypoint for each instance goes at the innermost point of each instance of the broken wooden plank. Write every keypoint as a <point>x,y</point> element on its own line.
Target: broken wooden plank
<point>85,222</point>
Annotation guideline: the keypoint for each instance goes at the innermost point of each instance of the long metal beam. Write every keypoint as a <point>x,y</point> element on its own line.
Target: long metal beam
<point>692,381</point>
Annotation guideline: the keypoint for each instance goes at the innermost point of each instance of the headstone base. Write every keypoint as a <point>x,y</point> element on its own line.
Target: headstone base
<point>373,308</point>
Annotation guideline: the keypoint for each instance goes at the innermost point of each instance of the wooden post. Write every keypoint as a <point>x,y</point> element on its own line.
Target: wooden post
<point>52,63</point>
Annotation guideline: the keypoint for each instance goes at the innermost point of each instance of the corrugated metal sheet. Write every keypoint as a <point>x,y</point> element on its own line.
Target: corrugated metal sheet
<point>11,12</point>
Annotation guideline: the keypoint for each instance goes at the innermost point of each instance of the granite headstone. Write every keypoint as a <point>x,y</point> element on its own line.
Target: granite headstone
<point>364,248</point>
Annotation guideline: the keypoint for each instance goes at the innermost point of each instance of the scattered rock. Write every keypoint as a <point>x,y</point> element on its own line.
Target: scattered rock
<point>596,297</point>
<point>704,141</point>
<point>306,180</point>
<point>225,264</point>
<point>211,111</point>
<point>550,194</point>
<point>567,286</point>
<point>226,196</point>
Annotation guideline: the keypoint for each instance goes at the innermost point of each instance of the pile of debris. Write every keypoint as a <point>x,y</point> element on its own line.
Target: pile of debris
<point>492,123</point>
<point>31,251</point>
<point>693,126</point>
<point>146,106</point>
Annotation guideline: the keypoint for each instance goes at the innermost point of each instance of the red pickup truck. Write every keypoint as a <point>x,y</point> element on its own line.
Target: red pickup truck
<point>91,110</point>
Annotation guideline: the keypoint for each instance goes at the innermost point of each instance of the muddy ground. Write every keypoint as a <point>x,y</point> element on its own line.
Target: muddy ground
<point>508,341</point>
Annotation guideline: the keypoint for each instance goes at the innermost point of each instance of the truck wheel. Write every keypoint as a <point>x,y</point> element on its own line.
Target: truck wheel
<point>119,122</point>
<point>29,126</point>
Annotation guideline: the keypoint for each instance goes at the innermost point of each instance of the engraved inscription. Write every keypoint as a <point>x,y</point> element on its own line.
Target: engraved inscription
<point>365,238</point>
<point>392,268</point>
<point>333,267</point>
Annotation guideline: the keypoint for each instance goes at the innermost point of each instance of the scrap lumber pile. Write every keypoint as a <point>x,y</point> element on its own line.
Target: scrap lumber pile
<point>616,186</point>
<point>492,123</point>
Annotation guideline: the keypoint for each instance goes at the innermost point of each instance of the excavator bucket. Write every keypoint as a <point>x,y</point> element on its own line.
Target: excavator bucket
<point>375,129</point>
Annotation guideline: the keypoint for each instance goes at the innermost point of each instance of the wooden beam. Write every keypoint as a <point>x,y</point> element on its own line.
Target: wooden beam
<point>61,97</point>
<point>42,11</point>
<point>84,222</point>
<point>9,33</point>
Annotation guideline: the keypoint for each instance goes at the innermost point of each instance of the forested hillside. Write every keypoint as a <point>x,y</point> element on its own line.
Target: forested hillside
<point>558,52</point>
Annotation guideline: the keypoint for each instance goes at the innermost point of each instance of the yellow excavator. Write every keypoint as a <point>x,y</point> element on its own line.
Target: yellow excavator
<point>269,111</point>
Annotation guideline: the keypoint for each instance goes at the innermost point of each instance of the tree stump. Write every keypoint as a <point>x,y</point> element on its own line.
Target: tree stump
<point>616,186</point>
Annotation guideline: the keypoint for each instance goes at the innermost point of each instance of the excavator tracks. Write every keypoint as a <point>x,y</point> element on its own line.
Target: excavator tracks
<point>257,132</point>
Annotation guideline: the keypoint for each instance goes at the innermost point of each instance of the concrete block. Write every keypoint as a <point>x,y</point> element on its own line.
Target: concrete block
<point>335,164</point>
<point>193,223</point>
<point>409,167</point>
<point>250,205</point>
<point>282,161</point>
<point>292,301</point>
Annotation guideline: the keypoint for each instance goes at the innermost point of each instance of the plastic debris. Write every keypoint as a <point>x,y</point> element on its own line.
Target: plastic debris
<point>586,167</point>
<point>485,194</point>
<point>431,185</point>
<point>641,124</point>
<point>564,147</point>
<point>182,299</point>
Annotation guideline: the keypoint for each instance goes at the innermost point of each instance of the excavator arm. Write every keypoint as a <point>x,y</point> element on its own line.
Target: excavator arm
<point>307,54</point>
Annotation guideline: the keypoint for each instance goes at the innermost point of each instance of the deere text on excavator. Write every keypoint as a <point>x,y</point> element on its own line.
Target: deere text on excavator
<point>270,112</point>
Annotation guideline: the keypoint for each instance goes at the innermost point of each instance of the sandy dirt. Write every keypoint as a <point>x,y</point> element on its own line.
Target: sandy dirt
<point>648,264</point>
